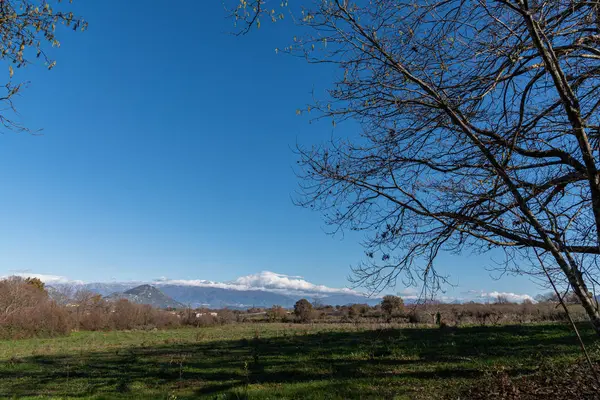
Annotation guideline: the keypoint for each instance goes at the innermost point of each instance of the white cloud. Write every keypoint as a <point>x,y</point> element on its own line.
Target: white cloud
<point>272,280</point>
<point>478,296</point>
<point>409,293</point>
<point>512,297</point>
<point>265,280</point>
<point>49,279</point>
<point>289,284</point>
<point>492,296</point>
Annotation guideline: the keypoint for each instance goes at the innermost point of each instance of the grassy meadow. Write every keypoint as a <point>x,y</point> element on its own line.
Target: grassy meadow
<point>281,361</point>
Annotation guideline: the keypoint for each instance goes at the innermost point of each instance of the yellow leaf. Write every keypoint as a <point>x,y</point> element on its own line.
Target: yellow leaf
<point>10,69</point>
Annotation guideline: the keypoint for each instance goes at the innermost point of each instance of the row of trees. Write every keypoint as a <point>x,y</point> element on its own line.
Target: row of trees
<point>392,309</point>
<point>26,310</point>
<point>304,310</point>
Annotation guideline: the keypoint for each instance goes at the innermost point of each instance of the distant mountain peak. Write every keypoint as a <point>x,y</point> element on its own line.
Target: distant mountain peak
<point>144,290</point>
<point>263,289</point>
<point>147,294</point>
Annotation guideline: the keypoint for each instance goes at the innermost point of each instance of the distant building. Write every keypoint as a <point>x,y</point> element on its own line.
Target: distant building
<point>212,314</point>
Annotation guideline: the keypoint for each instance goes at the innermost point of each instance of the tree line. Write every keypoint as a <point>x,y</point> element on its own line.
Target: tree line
<point>30,309</point>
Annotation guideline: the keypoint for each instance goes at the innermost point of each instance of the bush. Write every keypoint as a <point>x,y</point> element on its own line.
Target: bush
<point>127,315</point>
<point>418,317</point>
<point>357,310</point>
<point>303,310</point>
<point>207,320</point>
<point>276,313</point>
<point>28,311</point>
<point>226,316</point>
<point>392,305</point>
<point>90,312</point>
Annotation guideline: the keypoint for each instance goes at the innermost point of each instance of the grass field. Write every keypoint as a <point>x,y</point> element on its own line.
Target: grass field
<point>278,361</point>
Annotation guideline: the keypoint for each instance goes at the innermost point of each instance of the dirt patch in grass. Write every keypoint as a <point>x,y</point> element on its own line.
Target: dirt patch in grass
<point>552,381</point>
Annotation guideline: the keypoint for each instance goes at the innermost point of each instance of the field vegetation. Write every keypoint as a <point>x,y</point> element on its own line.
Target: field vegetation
<point>278,360</point>
<point>88,347</point>
<point>29,309</point>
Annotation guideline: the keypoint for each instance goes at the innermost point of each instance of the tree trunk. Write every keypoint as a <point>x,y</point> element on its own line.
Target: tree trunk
<point>587,301</point>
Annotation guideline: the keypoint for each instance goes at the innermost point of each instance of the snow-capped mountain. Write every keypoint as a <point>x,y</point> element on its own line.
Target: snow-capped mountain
<point>264,289</point>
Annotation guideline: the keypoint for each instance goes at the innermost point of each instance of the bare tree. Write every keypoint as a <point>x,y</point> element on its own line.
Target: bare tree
<point>15,296</point>
<point>480,130</point>
<point>89,309</point>
<point>62,294</point>
<point>27,29</point>
<point>26,310</point>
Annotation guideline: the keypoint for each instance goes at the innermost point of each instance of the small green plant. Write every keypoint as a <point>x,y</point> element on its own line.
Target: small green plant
<point>122,387</point>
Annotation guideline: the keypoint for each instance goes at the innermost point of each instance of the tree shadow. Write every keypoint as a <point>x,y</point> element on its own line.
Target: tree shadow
<point>351,364</point>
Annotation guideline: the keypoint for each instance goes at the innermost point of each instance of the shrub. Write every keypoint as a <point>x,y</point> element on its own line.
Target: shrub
<point>226,316</point>
<point>418,317</point>
<point>392,305</point>
<point>28,311</point>
<point>303,310</point>
<point>276,313</point>
<point>127,315</point>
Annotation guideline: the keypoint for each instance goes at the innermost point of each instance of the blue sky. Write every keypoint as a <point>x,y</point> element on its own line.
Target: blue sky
<point>167,151</point>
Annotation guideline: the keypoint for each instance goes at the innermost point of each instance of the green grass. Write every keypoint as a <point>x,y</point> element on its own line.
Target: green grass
<point>278,361</point>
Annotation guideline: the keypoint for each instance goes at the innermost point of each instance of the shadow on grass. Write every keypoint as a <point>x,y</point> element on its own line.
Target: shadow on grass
<point>351,364</point>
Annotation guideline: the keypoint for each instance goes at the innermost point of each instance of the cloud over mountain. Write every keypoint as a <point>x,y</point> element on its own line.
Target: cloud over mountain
<point>512,297</point>
<point>482,296</point>
<point>46,278</point>
<point>275,283</point>
<point>265,280</point>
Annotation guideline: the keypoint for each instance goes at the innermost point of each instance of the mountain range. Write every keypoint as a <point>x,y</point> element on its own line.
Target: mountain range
<point>165,295</point>
<point>262,289</point>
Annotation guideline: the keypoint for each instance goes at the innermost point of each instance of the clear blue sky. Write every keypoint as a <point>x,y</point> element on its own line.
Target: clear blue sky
<point>167,151</point>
